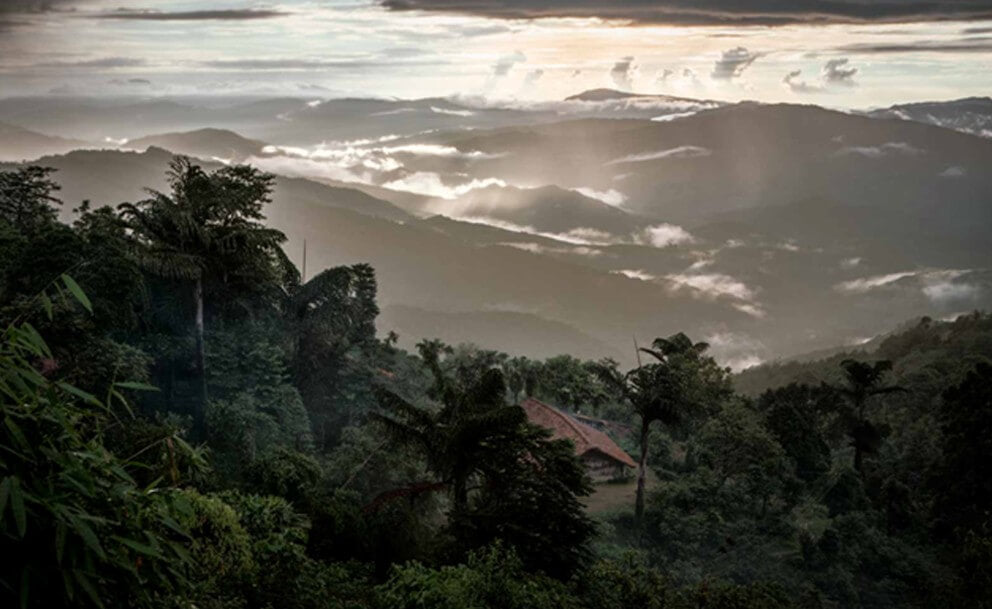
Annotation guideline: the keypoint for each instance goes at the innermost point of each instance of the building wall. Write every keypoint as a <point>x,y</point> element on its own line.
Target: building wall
<point>602,468</point>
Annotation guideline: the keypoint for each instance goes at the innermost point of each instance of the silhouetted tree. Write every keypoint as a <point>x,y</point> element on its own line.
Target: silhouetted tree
<point>864,381</point>
<point>681,383</point>
<point>208,227</point>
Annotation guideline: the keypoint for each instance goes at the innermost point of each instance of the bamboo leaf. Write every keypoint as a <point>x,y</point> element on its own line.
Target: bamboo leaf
<point>86,397</point>
<point>77,292</point>
<point>17,506</point>
<point>46,303</point>
<point>87,587</point>
<point>141,548</point>
<point>4,494</point>
<point>136,386</point>
<point>89,537</point>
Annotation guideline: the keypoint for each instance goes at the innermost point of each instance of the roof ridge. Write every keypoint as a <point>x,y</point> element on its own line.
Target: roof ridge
<point>575,425</point>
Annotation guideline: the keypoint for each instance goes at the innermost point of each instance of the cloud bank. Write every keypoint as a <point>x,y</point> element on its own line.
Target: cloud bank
<point>713,12</point>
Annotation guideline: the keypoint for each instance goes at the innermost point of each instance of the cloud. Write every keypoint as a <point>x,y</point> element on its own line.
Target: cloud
<point>532,77</point>
<point>622,73</point>
<point>865,284</point>
<point>850,263</point>
<point>965,45</point>
<point>636,274</point>
<point>130,82</point>
<point>732,63</point>
<point>943,292</point>
<point>713,285</point>
<point>679,152</point>
<point>663,235</point>
<point>838,72</point>
<point>953,171</point>
<point>735,350</point>
<point>102,62</point>
<point>505,63</point>
<point>430,184</point>
<point>610,197</point>
<point>449,111</point>
<point>33,6</point>
<point>792,81</point>
<point>883,150</point>
<point>203,15</point>
<point>293,63</point>
<point>940,286</point>
<point>712,12</point>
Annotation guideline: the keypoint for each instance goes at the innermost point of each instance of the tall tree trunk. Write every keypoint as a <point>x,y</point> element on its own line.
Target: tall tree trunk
<point>642,471</point>
<point>199,408</point>
<point>858,453</point>
<point>460,494</point>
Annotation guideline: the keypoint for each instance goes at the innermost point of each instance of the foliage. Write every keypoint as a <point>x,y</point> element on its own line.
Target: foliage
<point>83,532</point>
<point>492,577</point>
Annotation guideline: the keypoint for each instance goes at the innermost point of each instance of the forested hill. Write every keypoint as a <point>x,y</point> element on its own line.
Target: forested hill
<point>921,350</point>
<point>188,422</point>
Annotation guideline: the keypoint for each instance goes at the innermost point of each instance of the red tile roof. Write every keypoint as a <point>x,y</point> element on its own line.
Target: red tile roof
<point>585,437</point>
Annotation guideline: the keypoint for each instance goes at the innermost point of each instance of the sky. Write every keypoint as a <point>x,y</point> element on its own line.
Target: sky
<point>845,54</point>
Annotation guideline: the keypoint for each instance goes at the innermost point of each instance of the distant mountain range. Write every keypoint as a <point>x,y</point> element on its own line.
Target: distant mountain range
<point>971,114</point>
<point>19,144</point>
<point>766,230</point>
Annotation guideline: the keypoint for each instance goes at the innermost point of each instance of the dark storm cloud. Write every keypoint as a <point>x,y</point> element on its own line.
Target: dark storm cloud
<point>203,15</point>
<point>33,6</point>
<point>732,63</point>
<point>713,12</point>
<point>965,45</point>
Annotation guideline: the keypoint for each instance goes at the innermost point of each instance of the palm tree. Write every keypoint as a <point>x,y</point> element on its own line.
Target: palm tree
<point>330,318</point>
<point>208,227</point>
<point>680,382</point>
<point>460,437</point>
<point>864,381</point>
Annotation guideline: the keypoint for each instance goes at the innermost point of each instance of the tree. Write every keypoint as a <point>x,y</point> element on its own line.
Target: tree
<point>864,381</point>
<point>681,383</point>
<point>791,413</point>
<point>209,229</point>
<point>331,325</point>
<point>506,478</point>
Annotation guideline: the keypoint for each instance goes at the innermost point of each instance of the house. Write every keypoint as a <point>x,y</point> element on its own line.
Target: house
<point>602,457</point>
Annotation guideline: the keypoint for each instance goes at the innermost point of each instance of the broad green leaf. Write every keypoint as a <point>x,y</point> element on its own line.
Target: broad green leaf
<point>77,292</point>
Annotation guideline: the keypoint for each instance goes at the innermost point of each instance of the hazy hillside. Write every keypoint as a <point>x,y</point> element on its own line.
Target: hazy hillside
<point>971,114</point>
<point>17,144</point>
<point>921,350</point>
<point>208,144</point>
<point>504,331</point>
